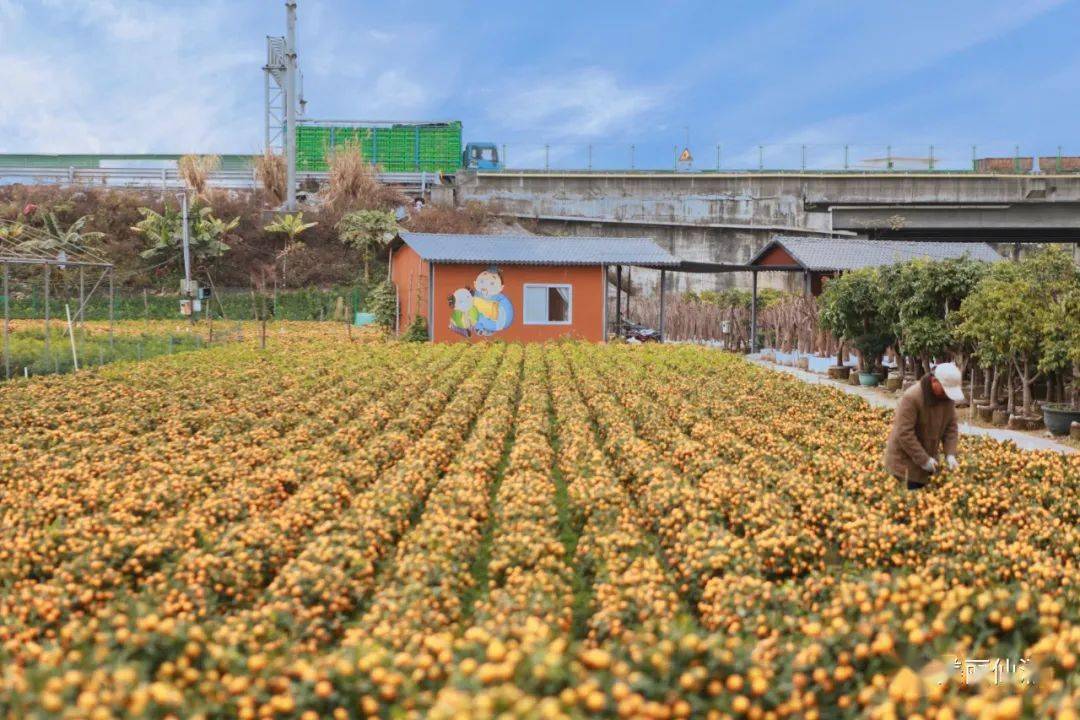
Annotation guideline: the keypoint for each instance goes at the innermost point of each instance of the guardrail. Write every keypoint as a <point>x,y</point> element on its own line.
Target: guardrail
<point>169,178</point>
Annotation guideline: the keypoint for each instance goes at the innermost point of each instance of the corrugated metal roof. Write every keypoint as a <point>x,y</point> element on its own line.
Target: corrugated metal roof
<point>538,250</point>
<point>825,254</point>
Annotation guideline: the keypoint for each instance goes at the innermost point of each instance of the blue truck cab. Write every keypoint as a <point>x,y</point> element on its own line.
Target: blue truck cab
<point>481,156</point>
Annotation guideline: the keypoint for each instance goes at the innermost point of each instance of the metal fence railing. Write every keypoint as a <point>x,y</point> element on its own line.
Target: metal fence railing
<point>786,157</point>
<point>169,178</point>
<point>999,158</point>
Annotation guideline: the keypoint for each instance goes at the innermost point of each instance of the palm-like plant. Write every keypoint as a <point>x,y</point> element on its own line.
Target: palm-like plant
<point>367,231</point>
<point>11,230</point>
<point>291,226</point>
<point>58,237</point>
<point>164,232</point>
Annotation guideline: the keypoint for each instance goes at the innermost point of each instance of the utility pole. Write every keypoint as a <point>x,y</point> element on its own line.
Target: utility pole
<point>186,240</point>
<point>188,289</point>
<point>290,105</point>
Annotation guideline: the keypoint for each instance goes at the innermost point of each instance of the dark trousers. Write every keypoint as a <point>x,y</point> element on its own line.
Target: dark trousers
<point>911,484</point>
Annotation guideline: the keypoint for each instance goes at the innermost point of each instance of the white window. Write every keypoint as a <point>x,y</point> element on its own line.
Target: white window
<point>548,304</point>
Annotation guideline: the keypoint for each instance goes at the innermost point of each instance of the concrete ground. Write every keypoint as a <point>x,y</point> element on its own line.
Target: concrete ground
<point>879,398</point>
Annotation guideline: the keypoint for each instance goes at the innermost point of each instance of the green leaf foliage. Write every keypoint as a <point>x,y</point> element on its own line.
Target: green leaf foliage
<point>382,303</point>
<point>851,309</point>
<point>417,332</point>
<point>1024,310</point>
<point>368,231</point>
<point>290,225</point>
<point>164,235</point>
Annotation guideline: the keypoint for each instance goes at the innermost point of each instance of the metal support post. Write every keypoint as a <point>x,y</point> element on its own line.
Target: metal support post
<point>590,156</point>
<point>604,313</point>
<point>266,112</point>
<point>753,311</point>
<point>662,283</point>
<point>7,322</point>
<point>802,150</point>
<point>71,335</point>
<point>760,157</point>
<point>48,343</point>
<point>547,157</point>
<point>618,301</point>
<point>185,239</point>
<point>632,149</point>
<point>718,157</point>
<point>931,157</point>
<point>185,236</point>
<point>290,105</point>
<point>847,165</point>
<point>111,296</point>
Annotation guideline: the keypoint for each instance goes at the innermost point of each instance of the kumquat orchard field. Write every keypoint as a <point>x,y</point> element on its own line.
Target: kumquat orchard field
<point>337,525</point>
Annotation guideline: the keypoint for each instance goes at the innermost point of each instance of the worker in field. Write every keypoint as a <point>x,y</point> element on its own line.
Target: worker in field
<point>925,421</point>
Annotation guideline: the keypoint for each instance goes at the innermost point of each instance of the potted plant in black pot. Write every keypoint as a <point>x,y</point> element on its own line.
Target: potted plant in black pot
<point>1026,316</point>
<point>1061,355</point>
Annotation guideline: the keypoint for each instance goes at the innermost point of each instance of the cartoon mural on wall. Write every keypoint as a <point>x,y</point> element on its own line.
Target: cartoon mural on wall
<point>482,309</point>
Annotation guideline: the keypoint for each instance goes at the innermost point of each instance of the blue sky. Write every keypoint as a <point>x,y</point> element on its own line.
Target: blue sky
<point>180,76</point>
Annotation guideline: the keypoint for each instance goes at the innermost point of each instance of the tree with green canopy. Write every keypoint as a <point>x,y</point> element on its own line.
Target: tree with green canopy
<point>920,299</point>
<point>851,310</point>
<point>368,231</point>
<point>291,226</point>
<point>1014,317</point>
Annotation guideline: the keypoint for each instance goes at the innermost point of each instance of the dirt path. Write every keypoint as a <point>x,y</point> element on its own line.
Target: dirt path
<point>879,399</point>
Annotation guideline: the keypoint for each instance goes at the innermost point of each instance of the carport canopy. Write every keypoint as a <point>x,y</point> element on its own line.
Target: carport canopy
<point>816,257</point>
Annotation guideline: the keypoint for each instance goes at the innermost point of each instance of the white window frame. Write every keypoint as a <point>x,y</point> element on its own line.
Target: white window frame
<point>570,310</point>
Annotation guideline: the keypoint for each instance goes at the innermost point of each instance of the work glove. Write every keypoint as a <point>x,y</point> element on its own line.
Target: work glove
<point>930,465</point>
<point>950,462</point>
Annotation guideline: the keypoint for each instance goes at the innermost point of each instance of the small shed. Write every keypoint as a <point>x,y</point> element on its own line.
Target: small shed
<point>512,287</point>
<point>818,258</point>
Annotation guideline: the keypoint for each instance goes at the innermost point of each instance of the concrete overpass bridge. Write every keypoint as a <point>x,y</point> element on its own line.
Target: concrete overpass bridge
<point>727,216</point>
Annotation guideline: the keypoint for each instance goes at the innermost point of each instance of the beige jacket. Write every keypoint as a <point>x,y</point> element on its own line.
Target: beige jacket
<point>922,423</point>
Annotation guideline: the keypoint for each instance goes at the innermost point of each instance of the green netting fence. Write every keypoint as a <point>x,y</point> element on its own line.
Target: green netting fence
<point>432,147</point>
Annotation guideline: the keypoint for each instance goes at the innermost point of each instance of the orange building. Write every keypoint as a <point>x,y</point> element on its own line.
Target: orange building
<point>511,287</point>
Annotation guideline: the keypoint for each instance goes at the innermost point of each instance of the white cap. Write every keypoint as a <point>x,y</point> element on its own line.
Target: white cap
<point>951,380</point>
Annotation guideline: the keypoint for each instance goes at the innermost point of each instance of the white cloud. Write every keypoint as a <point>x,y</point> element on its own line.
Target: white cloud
<point>396,94</point>
<point>390,71</point>
<point>586,103</point>
<point>129,76</point>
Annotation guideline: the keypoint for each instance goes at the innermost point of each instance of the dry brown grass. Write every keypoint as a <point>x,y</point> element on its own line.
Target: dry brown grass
<point>195,171</point>
<point>473,219</point>
<point>271,172</point>
<point>354,183</point>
